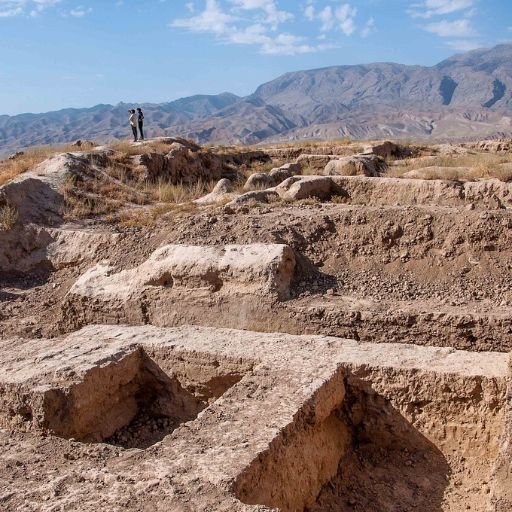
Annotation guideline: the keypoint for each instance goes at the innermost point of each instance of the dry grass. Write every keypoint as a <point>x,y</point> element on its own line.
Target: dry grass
<point>118,195</point>
<point>309,201</point>
<point>101,193</point>
<point>337,199</point>
<point>259,167</point>
<point>80,205</point>
<point>8,217</point>
<point>164,192</point>
<point>229,149</point>
<point>479,165</point>
<point>147,217</point>
<point>30,158</point>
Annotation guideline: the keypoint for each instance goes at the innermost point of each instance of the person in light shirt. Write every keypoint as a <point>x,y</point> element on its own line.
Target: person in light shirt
<point>133,124</point>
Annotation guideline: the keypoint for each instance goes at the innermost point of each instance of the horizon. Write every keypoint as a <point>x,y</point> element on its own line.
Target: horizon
<point>231,45</point>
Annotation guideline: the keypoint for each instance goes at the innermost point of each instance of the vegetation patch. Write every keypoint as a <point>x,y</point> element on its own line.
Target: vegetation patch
<point>8,217</point>
<point>26,160</point>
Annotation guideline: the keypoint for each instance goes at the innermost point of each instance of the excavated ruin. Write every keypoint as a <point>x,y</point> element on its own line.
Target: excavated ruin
<point>331,343</point>
<point>278,421</point>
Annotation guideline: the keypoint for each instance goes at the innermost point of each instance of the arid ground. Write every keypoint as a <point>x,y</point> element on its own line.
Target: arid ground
<point>318,326</point>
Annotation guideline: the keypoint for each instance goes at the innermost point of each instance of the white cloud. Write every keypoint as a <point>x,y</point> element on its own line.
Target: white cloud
<point>7,12</point>
<point>429,8</point>
<point>368,28</point>
<point>249,22</point>
<point>345,14</point>
<point>456,28</point>
<point>80,11</point>
<point>331,17</point>
<point>213,19</point>
<point>464,45</point>
<point>272,14</point>
<point>326,16</point>
<point>453,21</point>
<point>10,8</point>
<point>309,12</point>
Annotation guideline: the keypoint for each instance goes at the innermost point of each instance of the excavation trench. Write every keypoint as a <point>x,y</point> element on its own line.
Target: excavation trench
<point>136,402</point>
<point>398,441</point>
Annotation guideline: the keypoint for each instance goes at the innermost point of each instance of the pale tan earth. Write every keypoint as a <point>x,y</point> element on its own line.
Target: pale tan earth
<point>321,337</point>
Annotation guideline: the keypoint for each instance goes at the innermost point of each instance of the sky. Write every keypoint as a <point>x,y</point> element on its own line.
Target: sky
<point>78,53</point>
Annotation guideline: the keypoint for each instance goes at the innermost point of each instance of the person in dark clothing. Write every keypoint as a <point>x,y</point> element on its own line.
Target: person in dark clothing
<point>141,123</point>
<point>133,124</point>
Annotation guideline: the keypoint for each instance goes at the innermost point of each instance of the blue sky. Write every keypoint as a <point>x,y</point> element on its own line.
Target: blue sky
<point>77,53</point>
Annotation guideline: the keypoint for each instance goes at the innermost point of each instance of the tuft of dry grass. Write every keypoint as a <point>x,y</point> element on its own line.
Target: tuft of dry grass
<point>165,192</point>
<point>309,201</point>
<point>337,199</point>
<point>29,159</point>
<point>147,217</point>
<point>8,217</point>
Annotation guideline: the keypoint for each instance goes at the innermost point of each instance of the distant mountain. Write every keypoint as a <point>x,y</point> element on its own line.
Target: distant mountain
<point>465,96</point>
<point>105,122</point>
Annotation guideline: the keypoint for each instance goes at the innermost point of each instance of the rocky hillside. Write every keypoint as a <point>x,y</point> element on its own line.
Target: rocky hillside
<point>466,96</point>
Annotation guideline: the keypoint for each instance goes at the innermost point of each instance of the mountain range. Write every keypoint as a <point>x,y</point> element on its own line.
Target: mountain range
<point>468,96</point>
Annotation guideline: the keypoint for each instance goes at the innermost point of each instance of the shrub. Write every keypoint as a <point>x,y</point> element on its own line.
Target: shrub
<point>8,217</point>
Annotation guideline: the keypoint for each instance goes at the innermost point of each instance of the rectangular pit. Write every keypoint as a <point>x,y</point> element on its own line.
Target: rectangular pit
<point>132,402</point>
<point>399,441</point>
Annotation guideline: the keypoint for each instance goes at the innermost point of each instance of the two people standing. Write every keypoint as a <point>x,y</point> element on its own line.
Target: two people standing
<point>137,120</point>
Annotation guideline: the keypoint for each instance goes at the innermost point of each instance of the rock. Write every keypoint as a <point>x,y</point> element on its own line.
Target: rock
<point>224,186</point>
<point>357,165</point>
<point>223,191</point>
<point>304,187</point>
<point>16,155</point>
<point>317,162</point>
<point>277,176</point>
<point>260,196</point>
<point>257,181</point>
<point>293,167</point>
<point>180,278</point>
